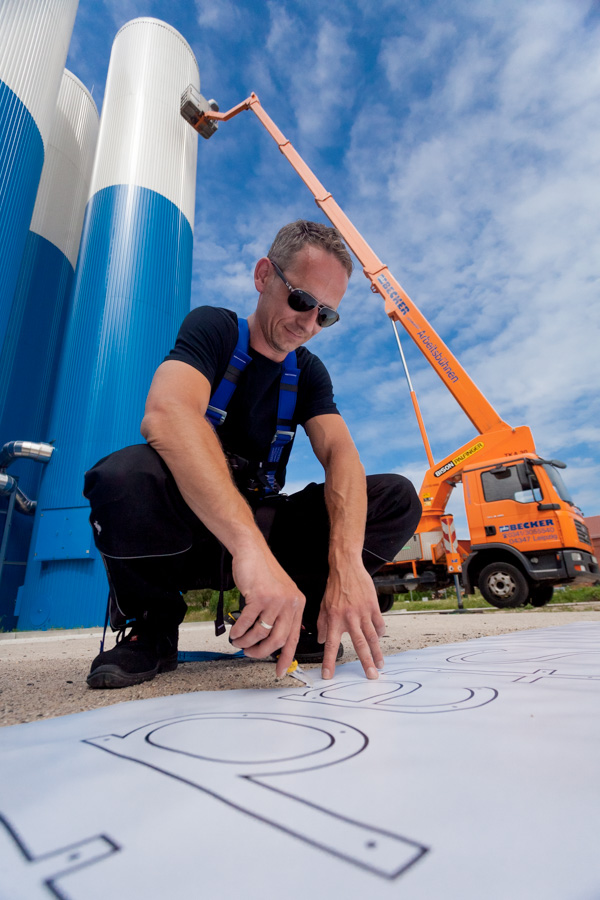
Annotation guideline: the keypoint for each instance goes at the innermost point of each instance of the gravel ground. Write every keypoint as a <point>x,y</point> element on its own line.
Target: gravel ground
<point>42,674</point>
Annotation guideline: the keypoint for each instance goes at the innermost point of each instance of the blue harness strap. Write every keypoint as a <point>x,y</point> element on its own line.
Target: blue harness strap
<point>203,655</point>
<point>217,410</point>
<point>288,392</point>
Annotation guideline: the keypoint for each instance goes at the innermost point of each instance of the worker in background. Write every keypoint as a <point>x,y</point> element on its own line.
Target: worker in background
<point>199,506</point>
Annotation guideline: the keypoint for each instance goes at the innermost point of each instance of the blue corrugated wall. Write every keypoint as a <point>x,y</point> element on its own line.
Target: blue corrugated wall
<point>28,367</point>
<point>132,289</point>
<point>21,160</point>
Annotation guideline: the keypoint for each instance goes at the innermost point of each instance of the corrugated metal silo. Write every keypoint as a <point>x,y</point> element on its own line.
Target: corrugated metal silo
<point>34,40</point>
<point>132,289</point>
<point>34,334</point>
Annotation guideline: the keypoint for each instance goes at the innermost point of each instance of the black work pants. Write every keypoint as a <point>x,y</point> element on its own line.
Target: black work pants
<point>154,547</point>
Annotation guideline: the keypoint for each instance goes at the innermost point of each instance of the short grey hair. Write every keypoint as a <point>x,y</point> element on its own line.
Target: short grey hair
<point>293,237</point>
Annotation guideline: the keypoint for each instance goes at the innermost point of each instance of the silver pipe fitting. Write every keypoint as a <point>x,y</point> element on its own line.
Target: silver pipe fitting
<point>7,483</point>
<point>24,504</point>
<point>38,451</point>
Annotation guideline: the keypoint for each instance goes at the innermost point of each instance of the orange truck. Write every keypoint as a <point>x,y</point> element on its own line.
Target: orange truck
<point>526,533</point>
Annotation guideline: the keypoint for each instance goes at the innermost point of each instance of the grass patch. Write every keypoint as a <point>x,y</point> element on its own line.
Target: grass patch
<point>433,600</point>
<point>567,594</point>
<point>202,604</point>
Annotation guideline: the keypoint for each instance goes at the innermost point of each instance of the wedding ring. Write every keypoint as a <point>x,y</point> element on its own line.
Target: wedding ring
<point>264,624</point>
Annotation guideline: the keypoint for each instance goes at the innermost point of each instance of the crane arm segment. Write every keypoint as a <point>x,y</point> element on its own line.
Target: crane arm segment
<point>489,447</point>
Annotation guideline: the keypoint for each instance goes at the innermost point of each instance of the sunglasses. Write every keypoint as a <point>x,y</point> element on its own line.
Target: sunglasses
<point>302,301</point>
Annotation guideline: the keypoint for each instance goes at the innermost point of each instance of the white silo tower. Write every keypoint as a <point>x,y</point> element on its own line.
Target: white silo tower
<point>34,40</point>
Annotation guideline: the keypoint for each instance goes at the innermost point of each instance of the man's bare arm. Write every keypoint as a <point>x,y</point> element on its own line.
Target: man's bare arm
<point>350,602</point>
<point>174,425</point>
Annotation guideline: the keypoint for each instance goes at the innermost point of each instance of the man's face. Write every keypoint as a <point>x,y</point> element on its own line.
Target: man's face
<point>313,270</point>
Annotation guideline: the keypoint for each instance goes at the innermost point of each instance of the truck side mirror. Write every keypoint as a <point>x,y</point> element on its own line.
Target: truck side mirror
<point>557,463</point>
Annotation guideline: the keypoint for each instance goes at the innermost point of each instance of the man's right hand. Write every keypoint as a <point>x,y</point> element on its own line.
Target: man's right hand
<point>271,598</point>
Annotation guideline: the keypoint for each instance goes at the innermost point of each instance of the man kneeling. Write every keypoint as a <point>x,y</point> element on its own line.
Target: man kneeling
<point>199,505</point>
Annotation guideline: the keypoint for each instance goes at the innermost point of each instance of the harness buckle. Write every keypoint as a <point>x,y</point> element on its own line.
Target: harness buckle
<point>283,437</point>
<point>216,416</point>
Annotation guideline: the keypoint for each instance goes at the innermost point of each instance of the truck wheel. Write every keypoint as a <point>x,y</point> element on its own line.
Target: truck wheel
<point>386,601</point>
<point>503,585</point>
<point>540,594</point>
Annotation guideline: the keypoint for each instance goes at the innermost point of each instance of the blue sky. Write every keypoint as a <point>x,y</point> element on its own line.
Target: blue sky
<point>463,140</point>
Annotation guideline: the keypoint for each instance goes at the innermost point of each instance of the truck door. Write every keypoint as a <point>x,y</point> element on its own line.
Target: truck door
<point>506,509</point>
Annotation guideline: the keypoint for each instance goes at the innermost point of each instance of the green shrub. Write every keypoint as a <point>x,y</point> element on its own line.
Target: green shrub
<point>202,604</point>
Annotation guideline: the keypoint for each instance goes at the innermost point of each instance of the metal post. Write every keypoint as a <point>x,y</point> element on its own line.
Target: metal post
<point>9,514</point>
<point>458,591</point>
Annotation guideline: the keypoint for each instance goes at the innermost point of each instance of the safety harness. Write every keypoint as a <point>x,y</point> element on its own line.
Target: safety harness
<point>288,392</point>
<point>264,481</point>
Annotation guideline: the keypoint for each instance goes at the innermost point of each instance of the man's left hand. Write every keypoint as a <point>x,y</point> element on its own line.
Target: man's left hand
<point>350,605</point>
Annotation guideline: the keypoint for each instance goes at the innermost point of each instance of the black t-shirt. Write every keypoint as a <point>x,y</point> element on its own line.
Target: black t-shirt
<point>206,340</point>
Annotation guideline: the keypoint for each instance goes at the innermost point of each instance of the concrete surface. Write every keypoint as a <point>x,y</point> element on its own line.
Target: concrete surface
<point>42,674</point>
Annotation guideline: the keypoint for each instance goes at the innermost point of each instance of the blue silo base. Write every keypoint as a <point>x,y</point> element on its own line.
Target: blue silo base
<point>63,594</point>
<point>12,579</point>
<point>34,332</point>
<point>65,584</point>
<point>12,573</point>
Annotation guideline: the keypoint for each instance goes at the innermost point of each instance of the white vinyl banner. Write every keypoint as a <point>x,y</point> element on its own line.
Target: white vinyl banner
<point>467,770</point>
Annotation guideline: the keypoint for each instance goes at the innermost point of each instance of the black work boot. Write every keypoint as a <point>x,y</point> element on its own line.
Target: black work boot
<point>308,649</point>
<point>138,656</point>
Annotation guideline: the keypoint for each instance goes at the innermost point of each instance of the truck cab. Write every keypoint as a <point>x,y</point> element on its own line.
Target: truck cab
<point>526,532</point>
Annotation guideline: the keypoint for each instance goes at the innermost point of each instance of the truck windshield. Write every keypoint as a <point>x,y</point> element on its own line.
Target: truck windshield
<point>558,483</point>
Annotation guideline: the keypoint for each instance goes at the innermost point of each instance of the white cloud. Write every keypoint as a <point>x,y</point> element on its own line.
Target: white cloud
<point>122,11</point>
<point>310,57</point>
<point>223,15</point>
<point>406,57</point>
